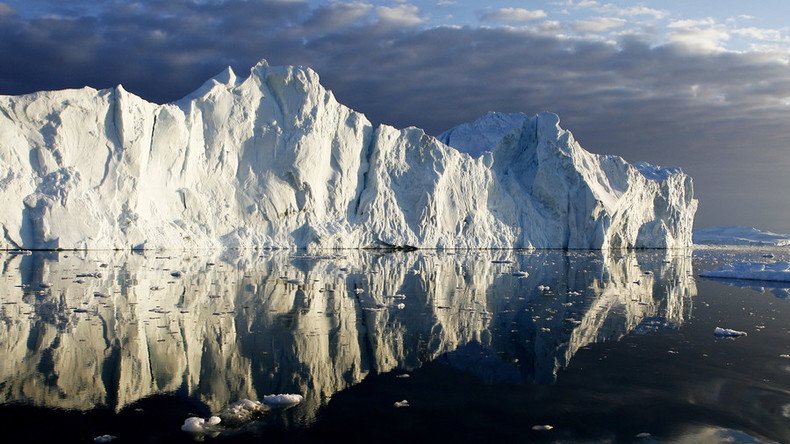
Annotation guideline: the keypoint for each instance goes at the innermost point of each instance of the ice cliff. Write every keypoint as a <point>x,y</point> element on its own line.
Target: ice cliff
<point>274,160</point>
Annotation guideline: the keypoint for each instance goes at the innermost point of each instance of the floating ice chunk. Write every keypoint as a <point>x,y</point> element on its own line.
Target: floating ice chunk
<point>728,333</point>
<point>403,375</point>
<point>643,435</point>
<point>282,400</point>
<point>400,306</point>
<point>242,411</point>
<point>104,439</point>
<point>758,271</point>
<point>193,425</point>
<point>543,288</point>
<point>542,428</point>
<point>403,403</point>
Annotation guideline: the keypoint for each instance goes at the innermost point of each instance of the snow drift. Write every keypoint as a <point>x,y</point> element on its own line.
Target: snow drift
<point>274,160</point>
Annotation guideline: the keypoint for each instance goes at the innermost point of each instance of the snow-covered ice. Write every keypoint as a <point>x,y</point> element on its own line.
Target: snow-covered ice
<point>274,160</point>
<point>759,271</point>
<point>739,236</point>
<point>728,333</point>
<point>200,425</point>
<point>282,400</point>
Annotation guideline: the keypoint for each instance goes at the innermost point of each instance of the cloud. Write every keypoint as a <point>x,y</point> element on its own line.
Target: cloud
<point>644,11</point>
<point>720,115</point>
<point>597,25</point>
<point>403,14</point>
<point>704,35</point>
<point>6,9</point>
<point>513,15</point>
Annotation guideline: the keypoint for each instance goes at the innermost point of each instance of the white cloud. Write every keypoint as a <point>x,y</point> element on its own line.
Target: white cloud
<point>404,14</point>
<point>598,24</point>
<point>704,40</point>
<point>763,34</point>
<point>514,14</point>
<point>691,23</point>
<point>644,11</point>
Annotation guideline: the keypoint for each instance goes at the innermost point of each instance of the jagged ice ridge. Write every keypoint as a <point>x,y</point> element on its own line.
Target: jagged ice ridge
<point>274,160</point>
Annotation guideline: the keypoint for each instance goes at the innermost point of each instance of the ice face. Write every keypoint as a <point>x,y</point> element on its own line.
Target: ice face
<point>274,160</point>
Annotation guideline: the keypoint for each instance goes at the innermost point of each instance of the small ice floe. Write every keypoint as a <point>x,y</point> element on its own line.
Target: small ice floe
<point>543,288</point>
<point>176,274</point>
<point>282,400</point>
<point>520,274</point>
<point>728,333</point>
<point>643,435</point>
<point>786,356</point>
<point>400,306</point>
<point>403,375</point>
<point>104,438</point>
<point>89,275</point>
<point>242,412</point>
<point>359,291</point>
<point>200,425</point>
<point>403,403</point>
<point>542,428</point>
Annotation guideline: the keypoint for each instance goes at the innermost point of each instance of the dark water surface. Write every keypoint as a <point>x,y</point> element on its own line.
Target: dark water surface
<point>614,347</point>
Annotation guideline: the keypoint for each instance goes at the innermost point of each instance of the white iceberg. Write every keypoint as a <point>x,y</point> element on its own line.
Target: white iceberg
<point>728,333</point>
<point>200,425</point>
<point>756,271</point>
<point>739,236</point>
<point>282,400</point>
<point>274,160</point>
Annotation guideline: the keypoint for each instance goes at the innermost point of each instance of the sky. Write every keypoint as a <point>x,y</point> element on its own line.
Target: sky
<point>703,85</point>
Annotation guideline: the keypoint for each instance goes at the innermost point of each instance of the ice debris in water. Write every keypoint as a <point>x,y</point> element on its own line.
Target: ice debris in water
<point>403,403</point>
<point>543,288</point>
<point>643,435</point>
<point>194,424</point>
<point>542,428</point>
<point>104,439</point>
<point>282,400</point>
<point>242,411</point>
<point>728,333</point>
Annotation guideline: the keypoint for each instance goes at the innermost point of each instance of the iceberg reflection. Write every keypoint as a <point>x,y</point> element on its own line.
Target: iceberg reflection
<point>233,327</point>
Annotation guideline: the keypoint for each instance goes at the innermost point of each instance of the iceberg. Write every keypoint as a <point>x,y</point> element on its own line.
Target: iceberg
<point>778,271</point>
<point>273,160</point>
<point>740,236</point>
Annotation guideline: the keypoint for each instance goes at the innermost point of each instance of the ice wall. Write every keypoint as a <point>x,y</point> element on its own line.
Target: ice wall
<point>274,160</point>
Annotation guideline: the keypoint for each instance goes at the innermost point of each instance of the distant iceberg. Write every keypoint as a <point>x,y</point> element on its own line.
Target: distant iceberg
<point>739,236</point>
<point>759,271</point>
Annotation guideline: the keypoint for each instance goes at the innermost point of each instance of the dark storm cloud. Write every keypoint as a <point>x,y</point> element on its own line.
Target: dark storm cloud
<point>720,116</point>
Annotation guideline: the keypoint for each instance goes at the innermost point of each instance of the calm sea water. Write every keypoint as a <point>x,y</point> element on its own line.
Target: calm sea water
<point>487,345</point>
